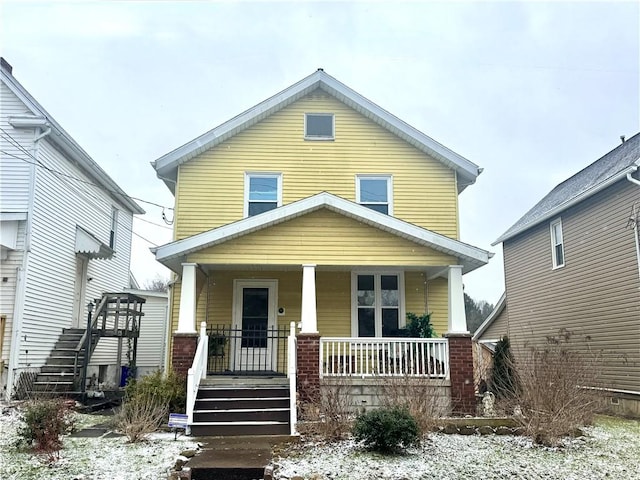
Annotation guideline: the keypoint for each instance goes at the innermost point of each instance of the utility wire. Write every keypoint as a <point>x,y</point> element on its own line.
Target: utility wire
<point>16,144</point>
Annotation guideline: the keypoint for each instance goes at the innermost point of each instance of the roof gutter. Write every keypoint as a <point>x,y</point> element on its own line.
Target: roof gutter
<point>575,200</point>
<point>630,178</point>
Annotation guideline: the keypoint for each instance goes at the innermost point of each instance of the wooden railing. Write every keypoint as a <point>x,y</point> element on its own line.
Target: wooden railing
<point>397,357</point>
<point>197,372</point>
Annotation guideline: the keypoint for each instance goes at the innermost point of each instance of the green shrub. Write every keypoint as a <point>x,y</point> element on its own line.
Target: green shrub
<point>419,326</point>
<point>503,381</point>
<point>169,389</point>
<point>45,421</point>
<point>386,430</point>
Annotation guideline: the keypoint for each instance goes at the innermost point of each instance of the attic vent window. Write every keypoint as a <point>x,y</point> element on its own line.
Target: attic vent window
<point>319,126</point>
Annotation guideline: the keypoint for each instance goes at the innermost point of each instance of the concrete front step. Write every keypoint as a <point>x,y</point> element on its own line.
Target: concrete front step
<point>242,415</point>
<point>240,428</point>
<point>231,403</point>
<point>240,392</point>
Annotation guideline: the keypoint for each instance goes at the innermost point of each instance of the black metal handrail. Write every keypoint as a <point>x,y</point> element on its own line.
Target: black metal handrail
<point>249,350</point>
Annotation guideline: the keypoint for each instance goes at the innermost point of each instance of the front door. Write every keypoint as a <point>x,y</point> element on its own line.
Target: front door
<point>79,292</point>
<point>255,348</point>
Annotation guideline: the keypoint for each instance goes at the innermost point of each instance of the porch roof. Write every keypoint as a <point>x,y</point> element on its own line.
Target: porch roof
<point>175,253</point>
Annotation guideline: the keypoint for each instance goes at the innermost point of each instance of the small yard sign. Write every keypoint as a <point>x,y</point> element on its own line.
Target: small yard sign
<point>178,420</point>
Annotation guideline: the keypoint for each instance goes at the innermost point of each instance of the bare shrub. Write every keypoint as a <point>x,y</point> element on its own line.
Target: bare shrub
<point>330,412</point>
<point>553,399</point>
<point>419,396</point>
<point>141,415</point>
<point>45,421</point>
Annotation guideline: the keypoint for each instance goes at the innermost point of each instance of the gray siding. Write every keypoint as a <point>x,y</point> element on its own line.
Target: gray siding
<point>499,327</point>
<point>153,332</point>
<point>595,296</point>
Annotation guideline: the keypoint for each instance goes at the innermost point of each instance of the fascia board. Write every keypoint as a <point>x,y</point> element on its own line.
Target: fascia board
<point>64,141</point>
<point>169,162</point>
<point>471,257</point>
<point>569,203</point>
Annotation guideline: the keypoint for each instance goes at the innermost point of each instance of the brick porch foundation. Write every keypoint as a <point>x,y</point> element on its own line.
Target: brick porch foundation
<point>184,349</point>
<point>463,396</point>
<point>308,366</point>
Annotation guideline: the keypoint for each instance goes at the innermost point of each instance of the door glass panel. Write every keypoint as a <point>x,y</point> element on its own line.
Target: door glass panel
<point>366,322</point>
<point>255,317</point>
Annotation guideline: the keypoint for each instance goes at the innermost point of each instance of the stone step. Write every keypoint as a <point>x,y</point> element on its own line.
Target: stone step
<point>240,428</point>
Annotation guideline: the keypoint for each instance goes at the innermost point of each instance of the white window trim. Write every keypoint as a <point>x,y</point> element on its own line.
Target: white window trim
<point>402,316</point>
<point>248,175</point>
<point>554,258</point>
<point>383,176</point>
<point>320,138</point>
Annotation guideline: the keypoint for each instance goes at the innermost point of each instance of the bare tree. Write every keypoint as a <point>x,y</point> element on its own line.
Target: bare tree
<point>158,284</point>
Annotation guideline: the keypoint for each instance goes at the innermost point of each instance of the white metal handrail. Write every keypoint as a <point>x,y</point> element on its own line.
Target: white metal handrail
<point>291,373</point>
<point>396,357</point>
<point>197,372</point>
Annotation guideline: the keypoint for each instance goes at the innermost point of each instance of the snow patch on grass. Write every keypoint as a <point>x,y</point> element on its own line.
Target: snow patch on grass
<point>90,458</point>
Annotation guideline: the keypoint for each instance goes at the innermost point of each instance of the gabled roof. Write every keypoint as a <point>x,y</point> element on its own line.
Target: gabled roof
<point>173,254</point>
<point>495,313</point>
<point>167,165</point>
<point>614,166</point>
<point>40,118</point>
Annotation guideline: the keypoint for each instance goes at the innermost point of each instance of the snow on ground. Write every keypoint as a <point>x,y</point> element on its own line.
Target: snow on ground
<point>90,458</point>
<point>611,449</point>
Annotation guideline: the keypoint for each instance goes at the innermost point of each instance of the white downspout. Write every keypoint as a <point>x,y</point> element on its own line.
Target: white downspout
<point>21,280</point>
<point>636,226</point>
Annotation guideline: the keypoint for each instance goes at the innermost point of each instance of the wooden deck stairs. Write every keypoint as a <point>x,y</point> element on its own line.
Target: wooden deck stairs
<point>117,315</point>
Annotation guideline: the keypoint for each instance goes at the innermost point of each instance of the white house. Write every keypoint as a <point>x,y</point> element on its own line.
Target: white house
<point>65,239</point>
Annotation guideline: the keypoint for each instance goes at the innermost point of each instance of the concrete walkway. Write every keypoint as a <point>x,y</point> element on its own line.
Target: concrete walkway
<point>234,458</point>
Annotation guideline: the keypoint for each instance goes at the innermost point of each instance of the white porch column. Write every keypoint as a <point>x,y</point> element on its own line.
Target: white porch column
<point>457,316</point>
<point>187,315</point>
<point>309,315</point>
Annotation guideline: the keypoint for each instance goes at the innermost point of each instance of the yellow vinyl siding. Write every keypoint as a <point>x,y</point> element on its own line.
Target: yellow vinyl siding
<point>211,186</point>
<point>322,237</point>
<point>333,299</point>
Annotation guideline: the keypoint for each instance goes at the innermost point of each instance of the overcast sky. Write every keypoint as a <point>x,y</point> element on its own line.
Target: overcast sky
<point>531,92</point>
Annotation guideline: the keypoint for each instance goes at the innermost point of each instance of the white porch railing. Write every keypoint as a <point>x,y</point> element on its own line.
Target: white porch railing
<point>197,372</point>
<point>291,373</point>
<point>397,357</point>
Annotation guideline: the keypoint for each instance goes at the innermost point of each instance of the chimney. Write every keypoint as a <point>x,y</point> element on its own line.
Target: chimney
<point>6,66</point>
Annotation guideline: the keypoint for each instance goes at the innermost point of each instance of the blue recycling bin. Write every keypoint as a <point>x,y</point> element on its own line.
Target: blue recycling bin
<point>126,372</point>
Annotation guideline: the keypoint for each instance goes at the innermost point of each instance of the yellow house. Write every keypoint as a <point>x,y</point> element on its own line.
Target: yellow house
<point>320,208</point>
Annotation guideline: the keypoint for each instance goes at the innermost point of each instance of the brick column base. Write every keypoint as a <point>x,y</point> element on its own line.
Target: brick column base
<point>463,395</point>
<point>308,366</point>
<point>184,349</point>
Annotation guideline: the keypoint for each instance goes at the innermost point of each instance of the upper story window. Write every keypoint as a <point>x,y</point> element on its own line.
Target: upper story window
<point>114,228</point>
<point>375,192</point>
<point>377,304</point>
<point>263,192</point>
<point>318,126</point>
<point>557,244</point>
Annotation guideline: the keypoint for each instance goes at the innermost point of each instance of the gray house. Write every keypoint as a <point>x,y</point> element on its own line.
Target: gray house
<point>572,264</point>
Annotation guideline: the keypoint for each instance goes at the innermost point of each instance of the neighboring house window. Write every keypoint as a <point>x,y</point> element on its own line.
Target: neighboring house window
<point>114,228</point>
<point>557,244</point>
<point>263,192</point>
<point>375,192</point>
<point>318,126</point>
<point>377,304</point>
